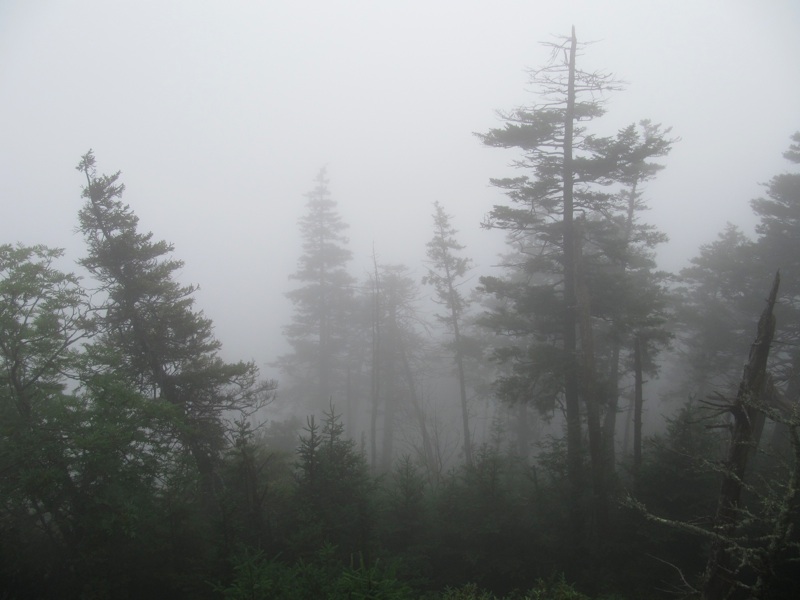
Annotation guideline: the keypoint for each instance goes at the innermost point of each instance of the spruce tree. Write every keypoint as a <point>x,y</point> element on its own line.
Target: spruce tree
<point>318,334</point>
<point>560,170</point>
<point>445,274</point>
<point>150,333</point>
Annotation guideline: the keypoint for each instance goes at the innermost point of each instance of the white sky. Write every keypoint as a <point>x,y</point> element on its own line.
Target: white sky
<point>220,114</point>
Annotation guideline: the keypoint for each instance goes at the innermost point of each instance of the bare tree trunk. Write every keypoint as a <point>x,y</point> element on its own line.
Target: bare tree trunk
<point>392,390</point>
<point>376,345</point>
<point>638,400</point>
<point>462,385</point>
<point>610,422</point>
<point>590,396</point>
<point>719,581</point>
<point>612,408</point>
<point>390,400</point>
<point>349,417</point>
<point>571,374</point>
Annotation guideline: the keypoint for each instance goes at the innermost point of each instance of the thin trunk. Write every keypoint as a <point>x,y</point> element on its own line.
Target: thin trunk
<point>350,429</point>
<point>590,390</point>
<point>462,383</point>
<point>745,410</point>
<point>391,399</point>
<point>626,438</point>
<point>612,409</point>
<point>571,374</point>
<point>638,383</point>
<point>322,360</point>
<point>376,344</point>
<point>610,421</point>
<point>392,391</point>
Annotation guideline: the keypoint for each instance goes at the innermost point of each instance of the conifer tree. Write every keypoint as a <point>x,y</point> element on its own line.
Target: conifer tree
<point>777,246</point>
<point>150,333</point>
<point>82,458</point>
<point>626,288</point>
<point>399,345</point>
<point>560,170</point>
<point>318,334</point>
<point>446,276</point>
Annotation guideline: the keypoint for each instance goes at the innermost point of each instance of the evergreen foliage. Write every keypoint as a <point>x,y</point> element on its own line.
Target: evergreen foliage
<point>445,275</point>
<point>149,333</point>
<point>333,495</point>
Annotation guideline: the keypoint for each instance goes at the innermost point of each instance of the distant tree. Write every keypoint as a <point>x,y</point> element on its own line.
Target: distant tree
<point>720,299</point>
<point>777,246</point>
<point>724,290</point>
<point>400,346</point>
<point>316,367</point>
<point>149,333</point>
<point>445,274</point>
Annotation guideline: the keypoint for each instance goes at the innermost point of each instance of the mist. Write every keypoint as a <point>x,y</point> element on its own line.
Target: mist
<point>238,127</point>
<point>220,116</point>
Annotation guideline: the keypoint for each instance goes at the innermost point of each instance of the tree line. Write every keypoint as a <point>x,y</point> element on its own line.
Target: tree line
<point>493,448</point>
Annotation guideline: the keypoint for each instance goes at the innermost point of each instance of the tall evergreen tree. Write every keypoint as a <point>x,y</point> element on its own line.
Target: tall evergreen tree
<point>446,276</point>
<point>540,222</point>
<point>626,288</point>
<point>150,333</point>
<point>316,367</point>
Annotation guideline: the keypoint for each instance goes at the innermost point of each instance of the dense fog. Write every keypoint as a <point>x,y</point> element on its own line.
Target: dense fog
<point>466,289</point>
<point>220,116</point>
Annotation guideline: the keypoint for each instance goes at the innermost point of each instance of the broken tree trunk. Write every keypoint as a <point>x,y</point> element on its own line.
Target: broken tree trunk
<point>720,579</point>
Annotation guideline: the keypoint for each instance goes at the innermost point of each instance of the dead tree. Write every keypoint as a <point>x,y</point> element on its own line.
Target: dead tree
<point>747,411</point>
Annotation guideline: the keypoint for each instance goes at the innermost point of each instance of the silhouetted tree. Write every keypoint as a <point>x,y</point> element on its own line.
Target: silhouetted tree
<point>399,348</point>
<point>82,455</point>
<point>720,299</point>
<point>150,334</point>
<point>316,368</point>
<point>626,288</point>
<point>446,276</point>
<point>333,498</point>
<point>541,226</point>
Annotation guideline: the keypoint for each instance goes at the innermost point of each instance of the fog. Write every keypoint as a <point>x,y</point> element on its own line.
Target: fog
<point>220,114</point>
